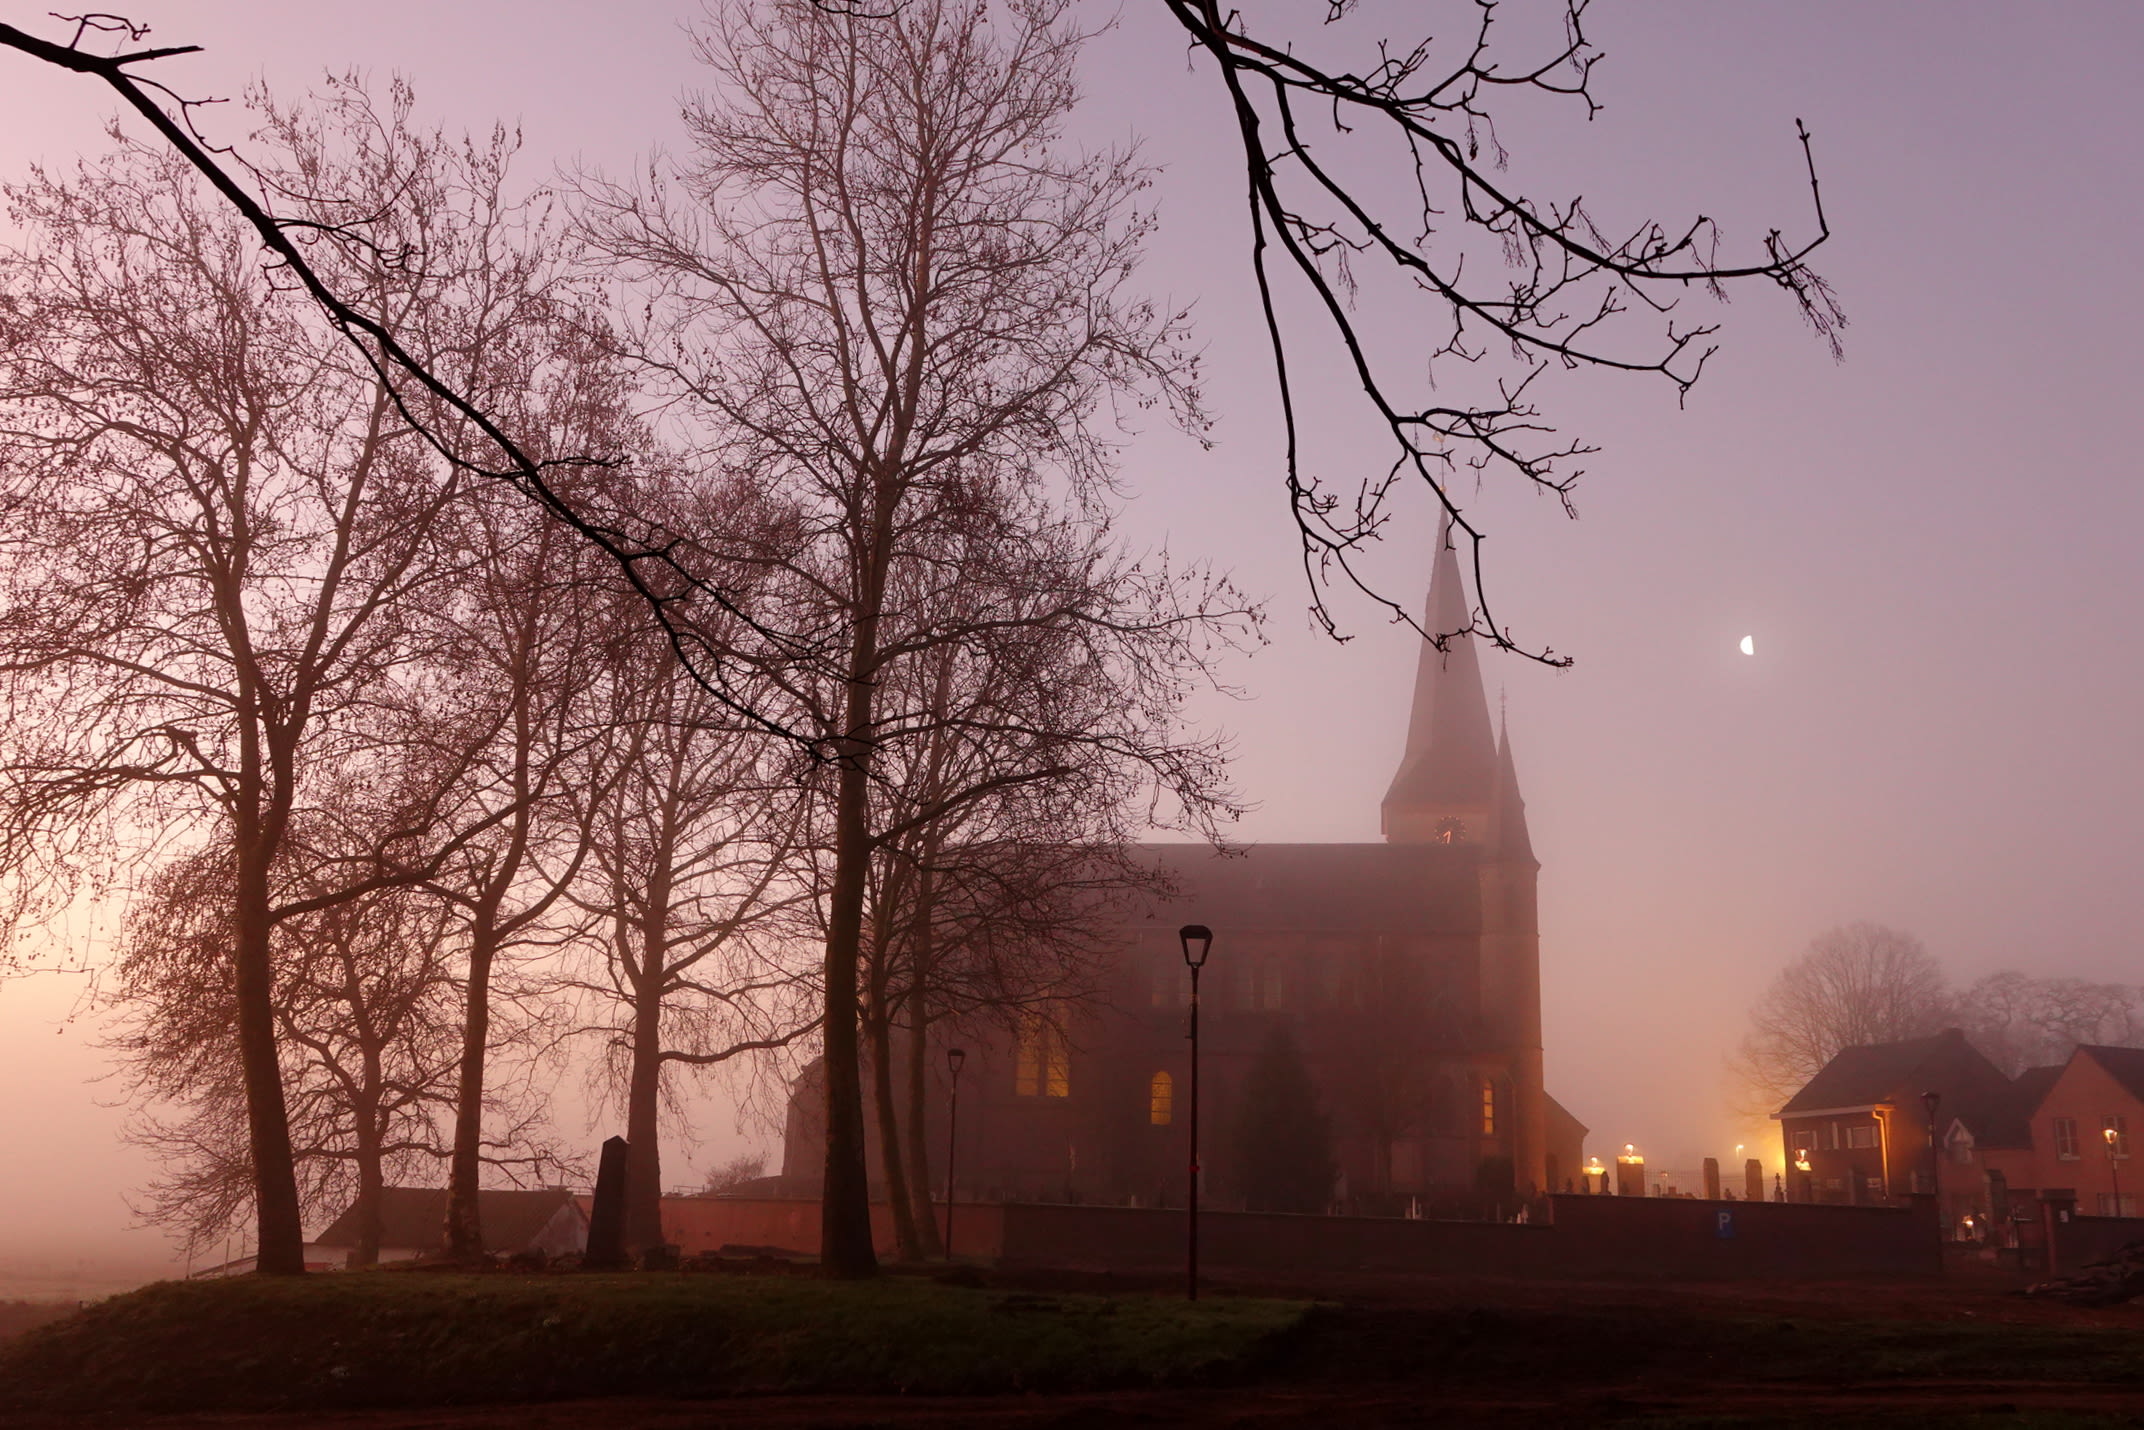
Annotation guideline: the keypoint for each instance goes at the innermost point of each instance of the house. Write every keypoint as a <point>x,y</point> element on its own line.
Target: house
<point>1858,1132</point>
<point>1406,972</point>
<point>2081,1122</point>
<point>413,1224</point>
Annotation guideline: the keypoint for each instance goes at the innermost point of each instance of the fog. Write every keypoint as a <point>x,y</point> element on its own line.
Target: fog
<point>1929,542</point>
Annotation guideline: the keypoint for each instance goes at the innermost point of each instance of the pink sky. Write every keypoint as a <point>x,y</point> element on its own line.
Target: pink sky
<point>1929,543</point>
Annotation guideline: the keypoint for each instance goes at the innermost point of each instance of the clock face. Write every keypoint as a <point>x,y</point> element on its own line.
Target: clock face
<point>1449,831</point>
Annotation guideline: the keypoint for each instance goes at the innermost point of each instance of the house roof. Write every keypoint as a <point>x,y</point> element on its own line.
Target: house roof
<point>2124,1065</point>
<point>1974,1090</point>
<point>417,1217</point>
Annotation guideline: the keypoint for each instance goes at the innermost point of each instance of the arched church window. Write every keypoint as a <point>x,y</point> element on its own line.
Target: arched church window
<point>1488,1108</point>
<point>1161,1100</point>
<point>1450,830</point>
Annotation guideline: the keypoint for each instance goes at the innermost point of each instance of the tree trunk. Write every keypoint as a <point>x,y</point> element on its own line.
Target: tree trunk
<point>643,1109</point>
<point>919,1157</point>
<point>845,1212</point>
<point>280,1230</point>
<point>878,1027</point>
<point>465,1227</point>
<point>371,1181</point>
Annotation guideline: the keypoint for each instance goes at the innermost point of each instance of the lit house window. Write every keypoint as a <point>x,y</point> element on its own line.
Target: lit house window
<point>1488,1109</point>
<point>1042,1066</point>
<point>2066,1138</point>
<point>1161,1100</point>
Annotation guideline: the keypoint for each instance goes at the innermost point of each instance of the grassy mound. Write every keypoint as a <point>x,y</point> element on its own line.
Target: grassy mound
<point>428,1339</point>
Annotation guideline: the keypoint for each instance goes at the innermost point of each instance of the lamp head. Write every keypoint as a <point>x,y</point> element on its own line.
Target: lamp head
<point>954,1057</point>
<point>2109,1134</point>
<point>1197,940</point>
<point>1931,1101</point>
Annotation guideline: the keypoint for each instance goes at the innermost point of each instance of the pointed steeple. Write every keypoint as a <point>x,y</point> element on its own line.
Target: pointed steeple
<point>1508,838</point>
<point>1448,776</point>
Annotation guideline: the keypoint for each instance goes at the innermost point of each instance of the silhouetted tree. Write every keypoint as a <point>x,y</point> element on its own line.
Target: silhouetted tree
<point>2018,1021</point>
<point>883,284</point>
<point>1283,1139</point>
<point>1857,984</point>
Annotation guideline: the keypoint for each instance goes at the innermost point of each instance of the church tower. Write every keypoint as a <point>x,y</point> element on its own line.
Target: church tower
<point>1447,778</point>
<point>1458,784</point>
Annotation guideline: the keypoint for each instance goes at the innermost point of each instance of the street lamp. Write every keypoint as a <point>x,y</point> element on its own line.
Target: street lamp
<point>2114,1168</point>
<point>954,1057</point>
<point>1197,940</point>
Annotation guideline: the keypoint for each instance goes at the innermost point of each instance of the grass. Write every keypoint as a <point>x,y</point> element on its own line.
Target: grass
<point>386,1338</point>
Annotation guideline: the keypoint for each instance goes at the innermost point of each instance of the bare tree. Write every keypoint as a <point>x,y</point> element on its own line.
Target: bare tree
<point>1857,984</point>
<point>877,280</point>
<point>218,530</point>
<point>365,1014</point>
<point>690,883</point>
<point>2021,1022</point>
<point>1505,288</point>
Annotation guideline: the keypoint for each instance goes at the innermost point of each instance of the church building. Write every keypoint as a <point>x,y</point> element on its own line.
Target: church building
<point>1406,973</point>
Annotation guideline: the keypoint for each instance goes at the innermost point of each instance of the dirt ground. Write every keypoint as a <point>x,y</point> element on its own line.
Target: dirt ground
<point>1396,1351</point>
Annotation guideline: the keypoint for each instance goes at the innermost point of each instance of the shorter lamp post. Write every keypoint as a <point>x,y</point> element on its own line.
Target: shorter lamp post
<point>954,1057</point>
<point>1932,1101</point>
<point>1197,940</point>
<point>2114,1167</point>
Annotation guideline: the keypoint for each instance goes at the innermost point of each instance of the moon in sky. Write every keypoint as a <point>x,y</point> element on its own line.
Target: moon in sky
<point>1749,645</point>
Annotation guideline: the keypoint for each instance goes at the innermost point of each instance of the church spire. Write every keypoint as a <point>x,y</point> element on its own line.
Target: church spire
<point>1508,838</point>
<point>1447,779</point>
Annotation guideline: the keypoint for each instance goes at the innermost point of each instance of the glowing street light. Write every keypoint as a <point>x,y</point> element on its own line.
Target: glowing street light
<point>2114,1168</point>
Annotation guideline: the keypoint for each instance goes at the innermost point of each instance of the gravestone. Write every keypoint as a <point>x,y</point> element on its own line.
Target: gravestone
<point>1712,1179</point>
<point>606,1219</point>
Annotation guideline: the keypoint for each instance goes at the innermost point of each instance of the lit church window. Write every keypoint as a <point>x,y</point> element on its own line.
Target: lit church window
<point>1488,1109</point>
<point>1161,1100</point>
<point>1042,1064</point>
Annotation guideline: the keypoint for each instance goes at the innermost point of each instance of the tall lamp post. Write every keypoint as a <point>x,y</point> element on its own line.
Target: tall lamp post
<point>954,1057</point>
<point>2114,1168</point>
<point>1197,940</point>
<point>1932,1101</point>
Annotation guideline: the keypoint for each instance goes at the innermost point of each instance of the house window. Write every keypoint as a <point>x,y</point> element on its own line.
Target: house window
<point>1161,1100</point>
<point>2066,1139</point>
<point>1488,1109</point>
<point>2119,1126</point>
<point>1804,1144</point>
<point>1042,1066</point>
<point>2108,1206</point>
<point>1831,1137</point>
<point>1862,1136</point>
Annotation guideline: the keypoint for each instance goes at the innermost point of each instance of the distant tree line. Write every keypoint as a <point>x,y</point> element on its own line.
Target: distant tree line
<point>1866,983</point>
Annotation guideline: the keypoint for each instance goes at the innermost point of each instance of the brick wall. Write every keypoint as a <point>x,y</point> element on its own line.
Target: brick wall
<point>1610,1237</point>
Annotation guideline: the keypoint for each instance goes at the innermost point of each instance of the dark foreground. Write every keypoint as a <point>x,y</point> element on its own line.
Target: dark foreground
<point>1408,1352</point>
